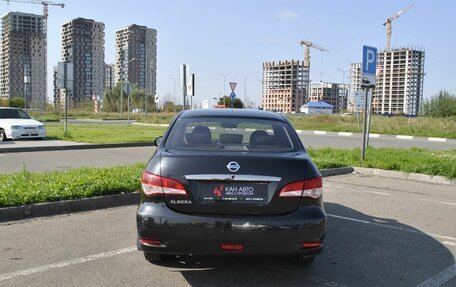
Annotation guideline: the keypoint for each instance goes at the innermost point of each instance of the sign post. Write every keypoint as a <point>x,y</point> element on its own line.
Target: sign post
<point>233,94</point>
<point>127,88</point>
<point>369,68</point>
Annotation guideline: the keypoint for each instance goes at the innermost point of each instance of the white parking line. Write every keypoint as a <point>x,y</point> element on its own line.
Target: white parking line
<point>437,201</point>
<point>440,279</point>
<point>348,189</point>
<point>391,227</point>
<point>450,243</point>
<point>66,263</point>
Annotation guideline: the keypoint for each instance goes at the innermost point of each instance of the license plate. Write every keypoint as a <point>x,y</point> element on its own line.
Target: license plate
<point>249,193</point>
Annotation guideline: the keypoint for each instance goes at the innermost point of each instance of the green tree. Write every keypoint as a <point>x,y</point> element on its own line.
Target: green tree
<point>441,105</point>
<point>168,107</point>
<point>111,100</point>
<point>16,102</point>
<point>3,102</point>
<point>237,103</point>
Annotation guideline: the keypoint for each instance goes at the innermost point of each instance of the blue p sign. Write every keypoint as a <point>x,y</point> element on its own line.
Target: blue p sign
<point>369,60</point>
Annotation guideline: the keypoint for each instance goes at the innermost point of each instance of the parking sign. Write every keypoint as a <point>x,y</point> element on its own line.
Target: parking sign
<point>369,66</point>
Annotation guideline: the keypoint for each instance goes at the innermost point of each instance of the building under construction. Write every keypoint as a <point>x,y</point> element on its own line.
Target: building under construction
<point>23,59</point>
<point>284,85</point>
<point>332,93</point>
<point>399,84</point>
<point>355,77</point>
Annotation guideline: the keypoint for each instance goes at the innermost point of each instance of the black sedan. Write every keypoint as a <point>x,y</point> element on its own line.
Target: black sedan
<point>226,181</point>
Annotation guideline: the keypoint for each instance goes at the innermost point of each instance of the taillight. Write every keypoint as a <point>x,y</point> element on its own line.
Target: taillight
<point>312,188</point>
<point>158,185</point>
<point>150,242</point>
<point>311,245</point>
<point>232,247</point>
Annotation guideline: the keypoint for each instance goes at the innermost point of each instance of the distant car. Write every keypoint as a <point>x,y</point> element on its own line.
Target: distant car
<point>226,181</point>
<point>17,124</point>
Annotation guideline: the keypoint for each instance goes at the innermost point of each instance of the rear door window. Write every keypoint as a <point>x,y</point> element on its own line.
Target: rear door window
<point>230,134</point>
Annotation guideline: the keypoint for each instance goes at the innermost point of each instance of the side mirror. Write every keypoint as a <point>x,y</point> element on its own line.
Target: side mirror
<point>158,140</point>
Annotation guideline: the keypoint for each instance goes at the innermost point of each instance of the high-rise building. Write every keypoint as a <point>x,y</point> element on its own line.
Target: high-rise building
<point>109,76</point>
<point>331,93</point>
<point>23,59</point>
<point>284,86</point>
<point>355,85</point>
<point>136,56</point>
<point>83,47</point>
<point>399,84</point>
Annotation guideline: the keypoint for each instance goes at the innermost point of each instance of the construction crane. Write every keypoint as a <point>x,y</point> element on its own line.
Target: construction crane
<point>308,44</point>
<point>45,18</point>
<point>387,24</point>
<point>45,8</point>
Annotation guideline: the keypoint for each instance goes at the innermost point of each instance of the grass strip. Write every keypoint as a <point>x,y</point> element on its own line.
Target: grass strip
<point>104,133</point>
<point>414,160</point>
<point>121,133</point>
<point>420,126</point>
<point>36,187</point>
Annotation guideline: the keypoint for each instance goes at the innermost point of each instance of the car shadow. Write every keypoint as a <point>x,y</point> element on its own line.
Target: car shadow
<point>361,252</point>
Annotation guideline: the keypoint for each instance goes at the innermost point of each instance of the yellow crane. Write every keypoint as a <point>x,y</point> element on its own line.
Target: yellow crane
<point>307,45</point>
<point>387,24</point>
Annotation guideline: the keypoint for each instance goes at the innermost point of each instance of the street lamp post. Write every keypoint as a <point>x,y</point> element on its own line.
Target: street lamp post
<point>245,87</point>
<point>343,74</point>
<point>224,85</point>
<point>343,82</point>
<point>121,85</point>
<point>174,94</point>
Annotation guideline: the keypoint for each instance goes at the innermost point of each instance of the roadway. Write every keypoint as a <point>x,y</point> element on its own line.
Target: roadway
<point>61,160</point>
<point>381,232</point>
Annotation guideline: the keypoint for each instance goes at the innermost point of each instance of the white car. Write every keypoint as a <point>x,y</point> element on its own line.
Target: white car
<point>16,124</point>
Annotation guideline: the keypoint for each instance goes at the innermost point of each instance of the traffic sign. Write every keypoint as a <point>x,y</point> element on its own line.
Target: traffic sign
<point>127,88</point>
<point>233,86</point>
<point>233,95</point>
<point>157,99</point>
<point>360,98</point>
<point>369,67</point>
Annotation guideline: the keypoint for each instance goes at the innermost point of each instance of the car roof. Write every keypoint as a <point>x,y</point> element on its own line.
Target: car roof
<point>242,113</point>
<point>9,108</point>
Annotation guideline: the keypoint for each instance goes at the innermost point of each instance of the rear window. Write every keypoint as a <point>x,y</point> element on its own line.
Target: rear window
<point>230,134</point>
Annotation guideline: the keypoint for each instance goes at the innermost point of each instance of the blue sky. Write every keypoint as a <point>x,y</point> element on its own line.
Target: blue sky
<point>237,36</point>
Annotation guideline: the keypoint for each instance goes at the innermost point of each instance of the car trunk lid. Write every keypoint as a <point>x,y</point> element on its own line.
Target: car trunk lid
<point>233,183</point>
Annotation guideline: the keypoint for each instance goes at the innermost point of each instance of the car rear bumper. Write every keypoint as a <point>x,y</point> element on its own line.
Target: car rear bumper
<point>204,234</point>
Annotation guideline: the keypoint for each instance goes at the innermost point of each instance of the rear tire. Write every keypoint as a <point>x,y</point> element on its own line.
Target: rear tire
<point>154,257</point>
<point>304,260</point>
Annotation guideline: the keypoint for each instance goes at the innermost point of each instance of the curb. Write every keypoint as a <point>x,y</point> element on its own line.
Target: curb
<point>67,206</point>
<point>73,147</point>
<point>401,137</point>
<point>117,200</point>
<point>336,171</point>
<point>93,203</point>
<point>403,175</point>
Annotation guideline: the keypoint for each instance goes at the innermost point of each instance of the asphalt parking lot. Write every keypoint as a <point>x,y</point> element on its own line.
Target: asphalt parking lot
<point>381,232</point>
